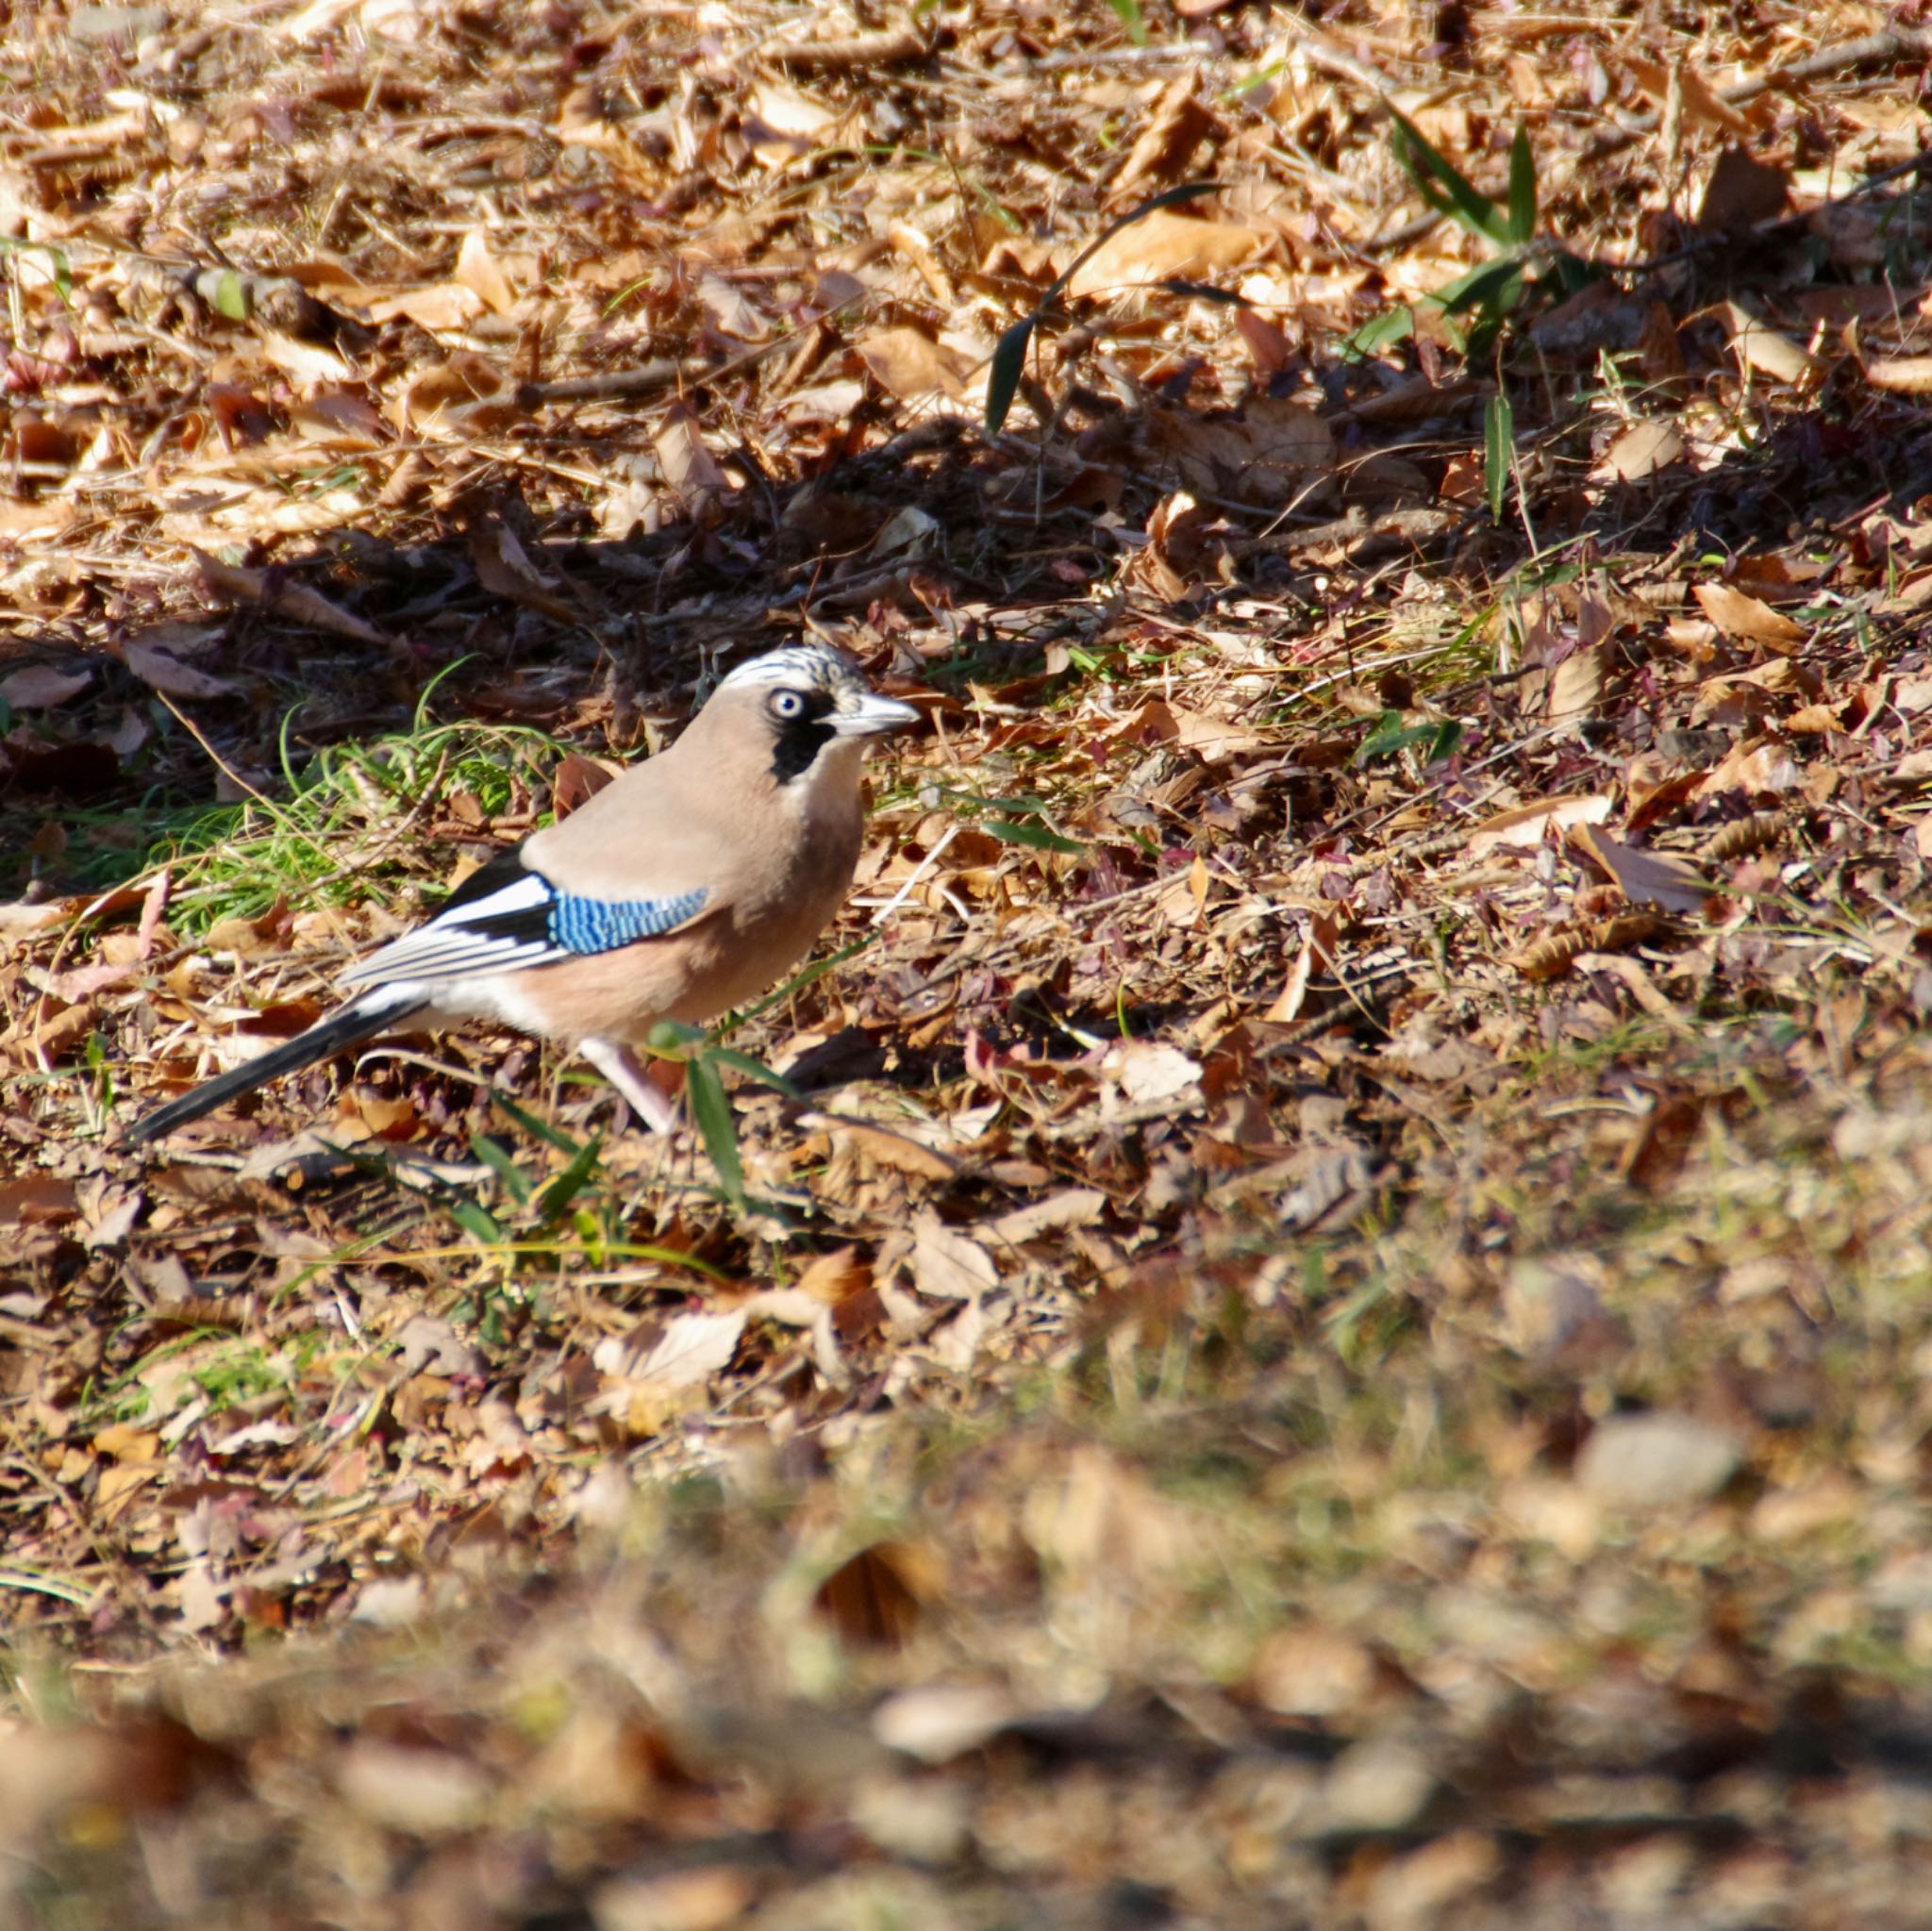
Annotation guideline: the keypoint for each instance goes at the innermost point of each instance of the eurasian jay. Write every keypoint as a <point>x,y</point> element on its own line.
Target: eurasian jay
<point>685,885</point>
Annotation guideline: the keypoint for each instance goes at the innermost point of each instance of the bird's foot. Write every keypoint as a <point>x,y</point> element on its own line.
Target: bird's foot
<point>634,1079</point>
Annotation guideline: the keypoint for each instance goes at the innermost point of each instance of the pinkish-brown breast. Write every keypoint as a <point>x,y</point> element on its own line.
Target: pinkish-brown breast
<point>787,890</point>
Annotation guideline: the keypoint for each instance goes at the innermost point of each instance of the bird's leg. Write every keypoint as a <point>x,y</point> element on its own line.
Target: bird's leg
<point>627,1073</point>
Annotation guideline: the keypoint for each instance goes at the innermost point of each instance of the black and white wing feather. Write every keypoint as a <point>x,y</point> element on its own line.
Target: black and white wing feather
<point>506,918</point>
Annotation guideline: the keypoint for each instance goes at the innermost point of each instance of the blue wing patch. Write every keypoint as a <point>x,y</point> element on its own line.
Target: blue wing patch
<point>601,924</point>
<point>507,918</point>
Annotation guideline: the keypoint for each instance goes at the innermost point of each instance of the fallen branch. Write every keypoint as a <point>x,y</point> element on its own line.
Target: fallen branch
<point>891,49</point>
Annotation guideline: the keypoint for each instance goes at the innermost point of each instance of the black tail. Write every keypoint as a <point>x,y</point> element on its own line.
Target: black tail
<point>362,1019</point>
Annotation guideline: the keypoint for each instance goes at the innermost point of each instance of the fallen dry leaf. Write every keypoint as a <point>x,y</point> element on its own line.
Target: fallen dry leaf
<point>949,1265</point>
<point>690,468</point>
<point>1902,374</point>
<point>1641,451</point>
<point>1680,80</point>
<point>912,365</point>
<point>161,672</point>
<point>689,1349</point>
<point>1576,685</point>
<point>1746,619</point>
<point>1075,1207</point>
<point>1759,347</point>
<point>1177,124</point>
<point>1526,825</point>
<point>1645,877</point>
<point>40,687</point>
<point>286,597</point>
<point>1164,245</point>
<point>1149,1071</point>
<point>478,271</point>
<point>899,1152</point>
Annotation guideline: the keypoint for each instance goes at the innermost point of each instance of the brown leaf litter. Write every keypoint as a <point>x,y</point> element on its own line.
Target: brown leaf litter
<point>1348,1261</point>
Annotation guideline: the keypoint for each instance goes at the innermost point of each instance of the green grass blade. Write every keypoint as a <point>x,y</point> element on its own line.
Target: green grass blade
<point>1492,287</point>
<point>1008,804</point>
<point>711,1109</point>
<point>745,1064</point>
<point>1379,332</point>
<point>554,1202</point>
<point>536,1128</point>
<point>63,280</point>
<point>1445,186</point>
<point>670,1039</point>
<point>1037,837</point>
<point>1499,449</point>
<point>497,1159</point>
<point>1386,736</point>
<point>1003,376</point>
<point>1522,190</point>
<point>1390,736</point>
<point>475,1221</point>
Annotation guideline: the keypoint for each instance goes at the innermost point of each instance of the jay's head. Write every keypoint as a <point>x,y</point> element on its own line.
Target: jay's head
<point>811,706</point>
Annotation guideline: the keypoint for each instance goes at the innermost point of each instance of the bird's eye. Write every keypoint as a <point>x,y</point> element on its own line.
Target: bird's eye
<point>788,705</point>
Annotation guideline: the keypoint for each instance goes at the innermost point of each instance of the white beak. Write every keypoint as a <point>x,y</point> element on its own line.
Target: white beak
<point>873,716</point>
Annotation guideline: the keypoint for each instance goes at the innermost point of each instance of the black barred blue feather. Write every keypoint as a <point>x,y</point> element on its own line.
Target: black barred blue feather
<point>506,916</point>
<point>600,924</point>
